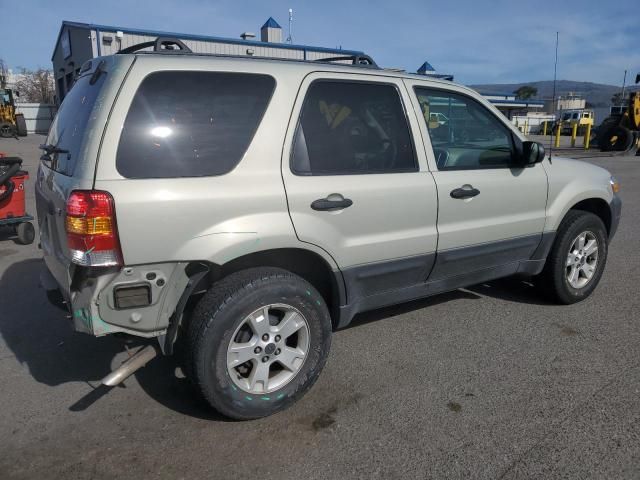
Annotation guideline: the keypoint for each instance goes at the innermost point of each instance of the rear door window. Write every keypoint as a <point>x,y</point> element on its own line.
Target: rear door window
<point>348,128</point>
<point>191,124</point>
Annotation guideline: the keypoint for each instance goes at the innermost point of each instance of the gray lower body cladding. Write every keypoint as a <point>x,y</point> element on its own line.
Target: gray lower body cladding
<point>396,281</point>
<point>616,213</point>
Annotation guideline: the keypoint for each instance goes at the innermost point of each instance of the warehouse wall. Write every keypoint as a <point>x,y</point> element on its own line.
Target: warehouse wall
<point>38,116</point>
<point>64,69</point>
<point>212,47</point>
<point>90,41</point>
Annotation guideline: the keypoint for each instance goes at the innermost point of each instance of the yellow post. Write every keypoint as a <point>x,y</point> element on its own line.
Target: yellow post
<point>557,145</point>
<point>587,137</point>
<point>526,127</point>
<point>544,128</point>
<point>574,134</point>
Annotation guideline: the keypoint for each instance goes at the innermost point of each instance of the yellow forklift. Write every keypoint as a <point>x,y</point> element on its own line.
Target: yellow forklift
<point>620,132</point>
<point>12,124</point>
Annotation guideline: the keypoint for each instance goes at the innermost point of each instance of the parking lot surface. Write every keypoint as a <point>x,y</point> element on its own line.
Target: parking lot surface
<point>486,382</point>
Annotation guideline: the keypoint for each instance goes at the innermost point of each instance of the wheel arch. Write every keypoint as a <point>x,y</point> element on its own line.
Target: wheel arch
<point>598,207</point>
<point>305,263</point>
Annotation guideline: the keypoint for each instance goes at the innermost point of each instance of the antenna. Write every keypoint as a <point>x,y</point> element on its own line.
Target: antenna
<point>553,101</point>
<point>290,37</point>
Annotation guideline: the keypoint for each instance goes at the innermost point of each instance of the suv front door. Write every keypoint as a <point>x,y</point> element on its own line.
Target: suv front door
<point>356,184</point>
<point>491,211</point>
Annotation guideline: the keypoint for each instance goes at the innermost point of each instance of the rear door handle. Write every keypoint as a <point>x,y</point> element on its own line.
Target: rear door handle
<point>331,204</point>
<point>466,191</point>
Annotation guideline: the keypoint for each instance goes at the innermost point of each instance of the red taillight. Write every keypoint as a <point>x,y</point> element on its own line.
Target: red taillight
<point>92,235</point>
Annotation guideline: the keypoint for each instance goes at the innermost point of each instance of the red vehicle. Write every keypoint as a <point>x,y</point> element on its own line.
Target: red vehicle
<point>12,199</point>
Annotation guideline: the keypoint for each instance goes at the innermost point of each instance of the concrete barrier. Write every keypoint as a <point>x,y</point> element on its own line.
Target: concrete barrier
<point>38,116</point>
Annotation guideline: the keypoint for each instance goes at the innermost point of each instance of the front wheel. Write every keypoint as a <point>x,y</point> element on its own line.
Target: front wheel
<point>577,259</point>
<point>257,342</point>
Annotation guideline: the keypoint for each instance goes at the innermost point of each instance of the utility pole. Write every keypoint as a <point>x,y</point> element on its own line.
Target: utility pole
<point>624,84</point>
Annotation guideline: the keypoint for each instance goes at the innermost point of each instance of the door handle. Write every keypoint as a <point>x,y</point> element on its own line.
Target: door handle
<point>463,192</point>
<point>331,204</point>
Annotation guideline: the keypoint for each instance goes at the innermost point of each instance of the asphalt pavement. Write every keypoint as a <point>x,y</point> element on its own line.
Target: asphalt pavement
<point>485,382</point>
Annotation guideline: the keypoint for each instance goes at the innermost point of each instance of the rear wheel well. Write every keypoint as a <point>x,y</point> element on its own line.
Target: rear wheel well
<point>304,263</point>
<point>598,207</point>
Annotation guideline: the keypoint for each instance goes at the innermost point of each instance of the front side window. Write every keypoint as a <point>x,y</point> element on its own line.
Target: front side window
<point>352,128</point>
<point>191,124</point>
<point>464,134</point>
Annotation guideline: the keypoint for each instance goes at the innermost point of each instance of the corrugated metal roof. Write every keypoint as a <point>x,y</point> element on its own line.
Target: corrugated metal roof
<point>205,38</point>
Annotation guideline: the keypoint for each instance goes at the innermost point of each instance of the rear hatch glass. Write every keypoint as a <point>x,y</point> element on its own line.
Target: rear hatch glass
<point>68,128</point>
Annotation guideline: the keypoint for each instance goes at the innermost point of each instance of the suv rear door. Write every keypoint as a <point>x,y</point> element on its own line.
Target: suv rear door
<point>491,211</point>
<point>76,132</point>
<point>356,184</point>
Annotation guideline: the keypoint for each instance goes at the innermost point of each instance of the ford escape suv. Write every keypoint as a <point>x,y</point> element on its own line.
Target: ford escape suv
<point>242,209</point>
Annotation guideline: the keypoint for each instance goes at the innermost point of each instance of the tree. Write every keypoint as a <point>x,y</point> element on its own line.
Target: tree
<point>36,86</point>
<point>525,92</point>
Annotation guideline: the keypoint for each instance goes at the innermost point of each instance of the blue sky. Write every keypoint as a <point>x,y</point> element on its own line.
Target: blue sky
<point>491,42</point>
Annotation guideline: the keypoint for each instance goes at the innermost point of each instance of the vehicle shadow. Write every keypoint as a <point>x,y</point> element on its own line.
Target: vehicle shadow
<point>511,289</point>
<point>43,340</point>
<point>402,308</point>
<point>8,233</point>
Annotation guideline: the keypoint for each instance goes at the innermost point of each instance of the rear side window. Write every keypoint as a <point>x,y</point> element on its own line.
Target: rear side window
<point>352,128</point>
<point>191,124</point>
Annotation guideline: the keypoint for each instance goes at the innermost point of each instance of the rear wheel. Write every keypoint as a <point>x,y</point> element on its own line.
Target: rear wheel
<point>26,233</point>
<point>7,130</point>
<point>577,259</point>
<point>257,342</point>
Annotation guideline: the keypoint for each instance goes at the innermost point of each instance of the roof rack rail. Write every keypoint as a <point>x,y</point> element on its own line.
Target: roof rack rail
<point>358,60</point>
<point>160,44</point>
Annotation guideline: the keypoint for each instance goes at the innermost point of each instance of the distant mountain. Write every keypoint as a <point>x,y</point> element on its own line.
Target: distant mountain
<point>598,94</point>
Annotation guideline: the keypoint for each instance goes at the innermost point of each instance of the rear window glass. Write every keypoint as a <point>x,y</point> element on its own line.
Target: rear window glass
<point>68,128</point>
<point>191,124</point>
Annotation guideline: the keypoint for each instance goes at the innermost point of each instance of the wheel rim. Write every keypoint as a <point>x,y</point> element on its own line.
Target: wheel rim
<point>582,260</point>
<point>268,349</point>
<point>5,131</point>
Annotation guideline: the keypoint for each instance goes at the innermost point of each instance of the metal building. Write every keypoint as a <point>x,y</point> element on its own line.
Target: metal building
<point>79,42</point>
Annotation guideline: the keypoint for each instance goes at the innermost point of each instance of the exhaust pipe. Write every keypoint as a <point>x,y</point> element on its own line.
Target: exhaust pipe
<point>129,367</point>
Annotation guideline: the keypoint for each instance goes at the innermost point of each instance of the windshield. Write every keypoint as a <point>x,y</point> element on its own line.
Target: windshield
<point>5,97</point>
<point>68,129</point>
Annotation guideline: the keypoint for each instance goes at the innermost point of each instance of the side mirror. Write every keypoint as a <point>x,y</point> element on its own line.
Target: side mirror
<point>17,93</point>
<point>532,153</point>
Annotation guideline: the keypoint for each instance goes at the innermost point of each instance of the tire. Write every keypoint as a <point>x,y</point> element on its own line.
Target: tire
<point>26,233</point>
<point>21,125</point>
<point>7,130</point>
<point>616,139</point>
<point>554,279</point>
<point>222,317</point>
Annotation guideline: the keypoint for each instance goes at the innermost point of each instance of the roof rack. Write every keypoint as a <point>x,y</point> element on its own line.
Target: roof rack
<point>359,60</point>
<point>172,45</point>
<point>160,44</point>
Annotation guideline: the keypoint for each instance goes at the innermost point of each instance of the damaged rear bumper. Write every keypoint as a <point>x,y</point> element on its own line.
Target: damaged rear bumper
<point>138,300</point>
